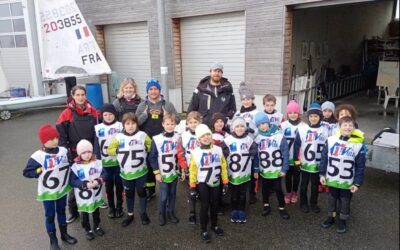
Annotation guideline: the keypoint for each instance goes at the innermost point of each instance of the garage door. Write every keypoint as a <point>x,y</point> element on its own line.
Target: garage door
<point>128,52</point>
<point>208,39</point>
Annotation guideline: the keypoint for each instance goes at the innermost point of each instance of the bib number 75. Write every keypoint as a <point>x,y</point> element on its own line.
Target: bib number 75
<point>136,161</point>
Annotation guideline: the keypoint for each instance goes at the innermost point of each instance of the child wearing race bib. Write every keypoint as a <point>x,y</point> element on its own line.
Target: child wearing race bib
<point>273,158</point>
<point>189,143</point>
<point>329,120</point>
<point>308,146</point>
<point>342,169</point>
<point>51,167</point>
<point>87,178</point>
<point>207,169</point>
<point>218,122</point>
<point>167,159</point>
<point>275,117</point>
<point>248,111</point>
<point>239,150</point>
<point>290,128</point>
<point>105,132</point>
<point>131,147</point>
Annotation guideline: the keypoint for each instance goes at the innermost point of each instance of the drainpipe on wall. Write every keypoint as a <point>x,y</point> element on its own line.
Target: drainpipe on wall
<point>163,49</point>
<point>33,47</point>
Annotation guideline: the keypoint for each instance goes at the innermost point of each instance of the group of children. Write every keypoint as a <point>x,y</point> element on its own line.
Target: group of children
<point>254,148</point>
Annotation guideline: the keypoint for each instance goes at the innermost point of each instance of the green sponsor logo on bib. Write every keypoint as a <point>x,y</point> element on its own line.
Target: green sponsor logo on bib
<point>89,208</point>
<point>337,184</point>
<point>239,180</point>
<point>110,163</point>
<point>46,196</point>
<point>270,174</point>
<point>169,178</point>
<point>312,168</point>
<point>135,175</point>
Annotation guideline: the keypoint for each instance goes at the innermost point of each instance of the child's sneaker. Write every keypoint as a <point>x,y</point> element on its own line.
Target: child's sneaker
<point>234,216</point>
<point>192,219</point>
<point>328,222</point>
<point>266,210</point>
<point>284,215</point>
<point>242,217</point>
<point>294,198</point>
<point>288,197</point>
<point>128,220</point>
<point>89,235</point>
<point>218,231</point>
<point>99,231</point>
<point>341,227</point>
<point>145,219</point>
<point>205,236</point>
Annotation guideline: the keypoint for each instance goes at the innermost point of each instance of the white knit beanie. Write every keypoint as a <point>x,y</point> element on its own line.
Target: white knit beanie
<point>84,146</point>
<point>201,130</point>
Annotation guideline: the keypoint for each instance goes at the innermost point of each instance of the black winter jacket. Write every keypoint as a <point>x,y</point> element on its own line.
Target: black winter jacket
<point>206,102</point>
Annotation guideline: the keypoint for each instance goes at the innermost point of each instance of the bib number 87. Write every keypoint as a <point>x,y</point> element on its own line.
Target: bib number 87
<point>235,162</point>
<point>86,194</point>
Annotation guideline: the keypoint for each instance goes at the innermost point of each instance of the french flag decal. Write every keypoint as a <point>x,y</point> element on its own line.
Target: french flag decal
<point>79,33</point>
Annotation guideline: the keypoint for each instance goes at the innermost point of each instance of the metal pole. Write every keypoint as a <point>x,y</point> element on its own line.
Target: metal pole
<point>163,49</point>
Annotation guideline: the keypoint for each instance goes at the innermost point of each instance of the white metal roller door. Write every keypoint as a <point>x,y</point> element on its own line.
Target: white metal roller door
<point>128,52</point>
<point>208,39</point>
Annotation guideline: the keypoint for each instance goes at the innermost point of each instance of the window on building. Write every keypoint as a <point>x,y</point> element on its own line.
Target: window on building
<point>12,26</point>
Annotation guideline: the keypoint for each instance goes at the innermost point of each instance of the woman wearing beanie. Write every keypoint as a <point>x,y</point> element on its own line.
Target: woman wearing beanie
<point>87,178</point>
<point>290,128</point>
<point>105,132</point>
<point>52,182</point>
<point>308,146</point>
<point>75,123</point>
<point>128,99</point>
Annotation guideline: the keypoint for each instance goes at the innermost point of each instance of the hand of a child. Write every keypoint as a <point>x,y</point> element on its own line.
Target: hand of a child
<point>89,185</point>
<point>225,189</point>
<point>353,189</point>
<point>183,176</point>
<point>282,174</point>
<point>322,180</point>
<point>193,193</point>
<point>158,178</point>
<point>255,175</point>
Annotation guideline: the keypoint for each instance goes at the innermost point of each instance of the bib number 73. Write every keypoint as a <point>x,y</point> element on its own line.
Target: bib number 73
<point>210,172</point>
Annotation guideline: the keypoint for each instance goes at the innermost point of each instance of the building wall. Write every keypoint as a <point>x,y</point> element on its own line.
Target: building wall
<point>343,28</point>
<point>264,32</point>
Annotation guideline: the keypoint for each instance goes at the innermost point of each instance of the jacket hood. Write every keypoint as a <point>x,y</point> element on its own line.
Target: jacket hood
<point>226,86</point>
<point>89,108</point>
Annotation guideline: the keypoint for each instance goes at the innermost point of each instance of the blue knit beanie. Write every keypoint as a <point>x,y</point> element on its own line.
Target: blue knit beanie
<point>261,118</point>
<point>152,83</point>
<point>314,108</point>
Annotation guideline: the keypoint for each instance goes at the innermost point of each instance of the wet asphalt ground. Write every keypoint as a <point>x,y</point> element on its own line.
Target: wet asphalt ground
<point>374,221</point>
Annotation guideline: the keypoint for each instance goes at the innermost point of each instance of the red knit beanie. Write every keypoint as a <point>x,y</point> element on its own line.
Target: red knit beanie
<point>47,133</point>
<point>293,107</point>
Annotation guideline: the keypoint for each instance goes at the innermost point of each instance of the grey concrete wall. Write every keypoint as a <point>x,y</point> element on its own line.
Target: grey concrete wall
<point>343,28</point>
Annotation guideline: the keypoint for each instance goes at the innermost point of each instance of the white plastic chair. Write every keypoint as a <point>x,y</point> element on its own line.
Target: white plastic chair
<point>391,93</point>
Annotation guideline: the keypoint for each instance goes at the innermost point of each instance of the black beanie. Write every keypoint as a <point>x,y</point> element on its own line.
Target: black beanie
<point>217,116</point>
<point>108,107</point>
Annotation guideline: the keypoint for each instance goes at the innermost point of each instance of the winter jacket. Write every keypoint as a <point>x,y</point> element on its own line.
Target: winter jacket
<point>124,106</point>
<point>207,100</point>
<point>75,124</point>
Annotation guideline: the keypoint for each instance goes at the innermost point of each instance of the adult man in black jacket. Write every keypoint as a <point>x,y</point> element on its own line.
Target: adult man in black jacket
<point>213,94</point>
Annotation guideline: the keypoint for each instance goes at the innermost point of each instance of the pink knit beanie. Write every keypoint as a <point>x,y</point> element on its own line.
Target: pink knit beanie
<point>293,107</point>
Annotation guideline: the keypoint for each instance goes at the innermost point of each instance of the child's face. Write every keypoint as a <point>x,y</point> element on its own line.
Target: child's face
<point>239,130</point>
<point>313,119</point>
<point>169,125</point>
<point>263,127</point>
<point>219,125</point>
<point>108,117</point>
<point>192,124</point>
<point>346,128</point>
<point>343,113</point>
<point>269,106</point>
<point>327,113</point>
<point>247,102</point>
<point>86,156</point>
<point>293,116</point>
<point>130,126</point>
<point>53,143</point>
<point>206,139</point>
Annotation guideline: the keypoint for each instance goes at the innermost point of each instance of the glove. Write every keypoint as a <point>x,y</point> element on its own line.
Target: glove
<point>193,193</point>
<point>225,189</point>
